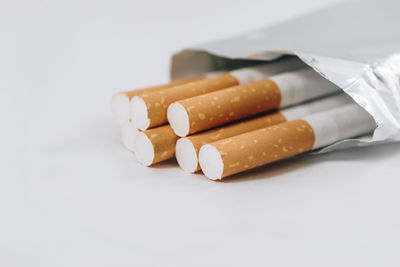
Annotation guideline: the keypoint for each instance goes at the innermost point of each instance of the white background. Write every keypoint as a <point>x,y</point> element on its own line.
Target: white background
<point>70,195</point>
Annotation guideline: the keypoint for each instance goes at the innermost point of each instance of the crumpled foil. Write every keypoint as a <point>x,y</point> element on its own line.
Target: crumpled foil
<point>355,45</point>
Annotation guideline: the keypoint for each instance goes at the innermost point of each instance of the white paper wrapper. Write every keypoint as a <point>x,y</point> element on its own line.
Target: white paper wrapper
<point>355,45</point>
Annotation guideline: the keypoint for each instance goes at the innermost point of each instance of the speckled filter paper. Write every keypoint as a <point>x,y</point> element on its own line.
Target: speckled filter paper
<point>361,58</point>
<point>152,89</point>
<point>235,129</point>
<point>264,146</point>
<point>209,110</point>
<point>158,102</point>
<point>163,140</point>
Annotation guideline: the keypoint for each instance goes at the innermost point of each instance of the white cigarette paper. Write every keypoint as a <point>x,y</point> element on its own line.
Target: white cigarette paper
<point>340,123</point>
<point>249,150</point>
<point>259,72</point>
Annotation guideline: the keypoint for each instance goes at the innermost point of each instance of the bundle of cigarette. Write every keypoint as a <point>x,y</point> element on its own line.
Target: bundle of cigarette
<point>226,123</point>
<point>121,102</point>
<point>252,149</point>
<point>149,110</point>
<point>187,148</point>
<point>209,110</point>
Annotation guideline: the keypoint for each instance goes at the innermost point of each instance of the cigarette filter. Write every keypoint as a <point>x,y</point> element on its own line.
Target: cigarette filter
<point>155,145</point>
<point>187,148</point>
<point>252,149</point>
<point>150,110</point>
<point>209,110</point>
<point>128,135</point>
<point>120,102</point>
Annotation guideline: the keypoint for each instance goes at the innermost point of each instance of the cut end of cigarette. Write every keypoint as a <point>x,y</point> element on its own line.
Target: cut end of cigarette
<point>211,162</point>
<point>144,150</point>
<point>120,108</point>
<point>178,119</point>
<point>186,155</point>
<point>128,136</point>
<point>139,114</point>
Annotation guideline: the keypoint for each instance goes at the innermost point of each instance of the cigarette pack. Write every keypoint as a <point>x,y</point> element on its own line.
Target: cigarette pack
<point>363,58</point>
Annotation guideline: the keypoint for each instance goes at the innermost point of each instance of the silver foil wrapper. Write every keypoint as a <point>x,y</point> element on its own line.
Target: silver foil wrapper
<point>355,45</point>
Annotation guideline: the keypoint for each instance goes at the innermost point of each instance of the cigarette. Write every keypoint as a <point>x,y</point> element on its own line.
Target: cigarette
<point>206,111</point>
<point>187,148</point>
<point>150,110</point>
<point>259,147</point>
<point>120,102</point>
<point>128,135</point>
<point>155,145</point>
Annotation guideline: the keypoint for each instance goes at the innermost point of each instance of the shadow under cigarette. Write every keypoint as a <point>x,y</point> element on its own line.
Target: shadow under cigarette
<point>362,154</point>
<point>170,163</point>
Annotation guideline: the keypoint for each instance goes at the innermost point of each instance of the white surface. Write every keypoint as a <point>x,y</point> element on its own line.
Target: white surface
<point>120,106</point>
<point>71,195</point>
